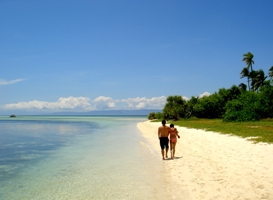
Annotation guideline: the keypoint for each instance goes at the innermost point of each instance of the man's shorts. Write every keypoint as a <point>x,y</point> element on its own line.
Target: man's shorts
<point>164,142</point>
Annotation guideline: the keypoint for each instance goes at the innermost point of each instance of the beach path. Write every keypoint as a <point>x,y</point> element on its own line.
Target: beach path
<point>211,165</point>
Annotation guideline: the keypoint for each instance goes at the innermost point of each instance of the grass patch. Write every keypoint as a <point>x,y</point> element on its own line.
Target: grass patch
<point>256,131</point>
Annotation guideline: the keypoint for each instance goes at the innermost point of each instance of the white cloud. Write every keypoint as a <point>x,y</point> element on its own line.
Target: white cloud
<point>85,104</point>
<point>205,94</point>
<point>185,98</point>
<point>70,103</point>
<point>139,103</point>
<point>103,102</point>
<point>4,82</point>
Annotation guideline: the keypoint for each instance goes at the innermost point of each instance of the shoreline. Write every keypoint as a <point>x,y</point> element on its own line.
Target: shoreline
<point>210,165</point>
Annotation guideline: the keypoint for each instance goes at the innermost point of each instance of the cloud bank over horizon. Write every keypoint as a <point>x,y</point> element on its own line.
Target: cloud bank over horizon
<point>81,104</point>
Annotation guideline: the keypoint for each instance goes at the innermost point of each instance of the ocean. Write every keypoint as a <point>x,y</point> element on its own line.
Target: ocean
<point>78,157</point>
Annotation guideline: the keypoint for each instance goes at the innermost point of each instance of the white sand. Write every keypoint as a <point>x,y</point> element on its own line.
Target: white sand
<point>213,166</point>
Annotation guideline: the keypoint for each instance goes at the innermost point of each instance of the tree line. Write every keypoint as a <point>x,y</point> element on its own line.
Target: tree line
<point>245,102</point>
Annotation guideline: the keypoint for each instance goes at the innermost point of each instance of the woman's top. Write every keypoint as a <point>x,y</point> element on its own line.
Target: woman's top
<point>173,133</point>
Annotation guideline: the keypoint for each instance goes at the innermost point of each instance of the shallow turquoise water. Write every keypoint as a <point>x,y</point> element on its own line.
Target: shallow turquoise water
<point>74,157</point>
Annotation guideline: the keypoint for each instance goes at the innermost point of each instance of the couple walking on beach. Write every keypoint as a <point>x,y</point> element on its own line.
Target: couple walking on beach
<point>164,132</point>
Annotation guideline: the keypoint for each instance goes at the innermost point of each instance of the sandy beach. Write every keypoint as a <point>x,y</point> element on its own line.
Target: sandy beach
<point>211,166</point>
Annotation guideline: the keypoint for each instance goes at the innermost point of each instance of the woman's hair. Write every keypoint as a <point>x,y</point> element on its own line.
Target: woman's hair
<point>171,125</point>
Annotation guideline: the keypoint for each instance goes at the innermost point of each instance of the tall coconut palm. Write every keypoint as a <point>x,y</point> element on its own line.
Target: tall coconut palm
<point>248,59</point>
<point>258,79</point>
<point>245,73</point>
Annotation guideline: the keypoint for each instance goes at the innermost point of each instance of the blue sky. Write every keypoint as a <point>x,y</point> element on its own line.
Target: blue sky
<point>95,54</point>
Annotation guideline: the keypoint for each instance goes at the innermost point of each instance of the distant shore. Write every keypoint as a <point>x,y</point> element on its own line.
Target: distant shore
<point>210,165</point>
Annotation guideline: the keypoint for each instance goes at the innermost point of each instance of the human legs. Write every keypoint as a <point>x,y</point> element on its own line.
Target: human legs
<point>164,144</point>
<point>162,147</point>
<point>171,144</point>
<point>162,152</point>
<point>174,148</point>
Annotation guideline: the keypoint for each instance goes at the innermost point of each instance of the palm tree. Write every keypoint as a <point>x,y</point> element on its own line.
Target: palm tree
<point>245,73</point>
<point>248,59</point>
<point>258,79</point>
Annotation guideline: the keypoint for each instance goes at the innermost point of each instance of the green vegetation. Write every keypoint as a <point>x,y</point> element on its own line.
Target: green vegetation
<point>244,110</point>
<point>256,131</point>
<point>235,104</point>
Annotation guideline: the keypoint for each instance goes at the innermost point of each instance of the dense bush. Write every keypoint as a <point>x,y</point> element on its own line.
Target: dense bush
<point>189,107</point>
<point>158,115</point>
<point>266,101</point>
<point>207,107</point>
<point>174,108</point>
<point>213,106</point>
<point>231,104</point>
<point>152,116</point>
<point>245,108</point>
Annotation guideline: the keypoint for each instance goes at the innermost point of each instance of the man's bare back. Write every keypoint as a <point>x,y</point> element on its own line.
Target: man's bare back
<point>163,131</point>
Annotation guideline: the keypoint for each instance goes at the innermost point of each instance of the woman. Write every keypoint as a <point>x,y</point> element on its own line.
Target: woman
<point>173,139</point>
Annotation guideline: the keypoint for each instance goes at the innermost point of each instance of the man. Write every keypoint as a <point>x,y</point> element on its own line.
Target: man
<point>163,134</point>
